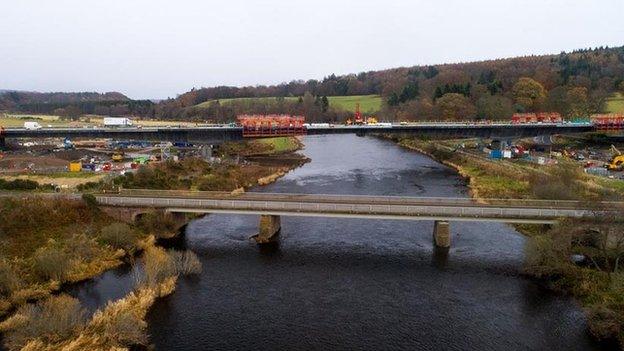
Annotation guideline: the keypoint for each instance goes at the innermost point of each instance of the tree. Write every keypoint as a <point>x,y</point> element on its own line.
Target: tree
<point>529,93</point>
<point>621,87</point>
<point>577,102</point>
<point>455,106</point>
<point>494,107</point>
<point>70,112</point>
<point>324,103</point>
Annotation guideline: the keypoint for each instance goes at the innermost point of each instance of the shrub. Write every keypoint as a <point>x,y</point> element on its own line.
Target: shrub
<point>18,184</point>
<point>52,320</point>
<point>186,262</point>
<point>90,200</point>
<point>158,266</point>
<point>81,246</point>
<point>605,323</point>
<point>119,235</point>
<point>119,324</point>
<point>51,263</point>
<point>9,281</point>
<point>158,223</point>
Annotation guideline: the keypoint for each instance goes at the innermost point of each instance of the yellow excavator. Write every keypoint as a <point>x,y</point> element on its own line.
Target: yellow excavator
<point>617,161</point>
<point>118,156</point>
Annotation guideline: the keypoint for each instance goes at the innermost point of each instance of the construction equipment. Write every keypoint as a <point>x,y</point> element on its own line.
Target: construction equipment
<point>75,166</point>
<point>118,156</point>
<point>371,121</point>
<point>67,144</point>
<point>271,125</point>
<point>358,120</point>
<point>617,161</point>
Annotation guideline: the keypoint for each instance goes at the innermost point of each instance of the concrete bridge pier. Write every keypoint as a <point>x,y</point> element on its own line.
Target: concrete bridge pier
<point>270,227</point>
<point>442,234</point>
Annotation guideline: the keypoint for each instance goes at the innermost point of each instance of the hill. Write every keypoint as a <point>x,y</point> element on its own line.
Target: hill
<point>369,104</point>
<point>73,104</point>
<point>574,83</point>
<point>615,103</point>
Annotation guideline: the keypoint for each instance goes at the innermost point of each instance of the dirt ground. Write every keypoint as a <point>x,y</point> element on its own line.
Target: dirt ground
<point>71,182</point>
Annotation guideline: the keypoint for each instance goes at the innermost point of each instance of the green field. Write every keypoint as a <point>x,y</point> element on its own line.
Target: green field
<point>368,103</point>
<point>615,104</point>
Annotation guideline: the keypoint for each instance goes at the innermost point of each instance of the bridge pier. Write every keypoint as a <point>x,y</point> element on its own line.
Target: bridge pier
<point>442,234</point>
<point>270,227</point>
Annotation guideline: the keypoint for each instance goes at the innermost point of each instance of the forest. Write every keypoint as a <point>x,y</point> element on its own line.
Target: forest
<point>575,84</point>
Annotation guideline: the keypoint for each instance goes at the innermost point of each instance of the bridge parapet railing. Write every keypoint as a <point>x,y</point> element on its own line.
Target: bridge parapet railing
<point>372,199</point>
<point>239,205</point>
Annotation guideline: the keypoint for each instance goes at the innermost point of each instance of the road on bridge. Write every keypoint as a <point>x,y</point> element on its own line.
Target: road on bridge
<point>380,207</point>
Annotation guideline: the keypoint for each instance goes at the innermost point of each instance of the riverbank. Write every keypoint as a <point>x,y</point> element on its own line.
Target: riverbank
<point>61,323</point>
<point>594,276</point>
<point>50,244</point>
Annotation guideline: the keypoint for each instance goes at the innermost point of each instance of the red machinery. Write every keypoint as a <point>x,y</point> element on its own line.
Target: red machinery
<point>539,117</point>
<point>271,125</point>
<point>608,122</point>
<point>358,116</point>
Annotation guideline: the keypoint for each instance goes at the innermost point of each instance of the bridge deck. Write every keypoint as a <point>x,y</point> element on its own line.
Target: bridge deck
<point>380,207</point>
<point>202,134</point>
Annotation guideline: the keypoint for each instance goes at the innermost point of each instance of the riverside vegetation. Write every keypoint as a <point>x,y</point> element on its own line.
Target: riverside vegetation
<point>579,257</point>
<point>48,242</point>
<point>240,165</point>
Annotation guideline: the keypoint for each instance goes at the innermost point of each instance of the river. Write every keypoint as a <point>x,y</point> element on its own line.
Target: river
<point>335,283</point>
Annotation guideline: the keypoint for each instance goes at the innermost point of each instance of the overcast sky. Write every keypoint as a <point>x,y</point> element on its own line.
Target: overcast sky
<point>158,49</point>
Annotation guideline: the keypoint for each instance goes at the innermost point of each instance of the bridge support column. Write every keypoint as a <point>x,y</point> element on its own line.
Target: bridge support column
<point>270,227</point>
<point>442,234</point>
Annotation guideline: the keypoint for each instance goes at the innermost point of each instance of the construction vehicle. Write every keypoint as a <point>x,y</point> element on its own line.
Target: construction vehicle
<point>371,121</point>
<point>617,161</point>
<point>118,156</point>
<point>67,144</point>
<point>358,120</point>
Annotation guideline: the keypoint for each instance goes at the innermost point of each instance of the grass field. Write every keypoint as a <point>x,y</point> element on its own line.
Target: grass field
<point>281,144</point>
<point>368,103</point>
<point>615,104</point>
<point>17,121</point>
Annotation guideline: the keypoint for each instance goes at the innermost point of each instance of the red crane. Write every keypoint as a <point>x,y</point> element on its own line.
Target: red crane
<point>358,116</point>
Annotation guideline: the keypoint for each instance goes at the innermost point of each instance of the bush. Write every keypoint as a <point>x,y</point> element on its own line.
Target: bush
<point>52,320</point>
<point>158,266</point>
<point>51,263</point>
<point>158,223</point>
<point>18,184</point>
<point>119,235</point>
<point>186,262</point>
<point>119,326</point>
<point>605,323</point>
<point>81,246</point>
<point>9,281</point>
<point>90,200</point>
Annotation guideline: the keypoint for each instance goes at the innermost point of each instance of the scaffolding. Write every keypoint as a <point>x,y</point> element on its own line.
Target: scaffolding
<point>271,125</point>
<point>608,122</point>
<point>539,117</point>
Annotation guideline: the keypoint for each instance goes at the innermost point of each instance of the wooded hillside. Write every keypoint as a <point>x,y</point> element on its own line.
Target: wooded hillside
<point>575,84</point>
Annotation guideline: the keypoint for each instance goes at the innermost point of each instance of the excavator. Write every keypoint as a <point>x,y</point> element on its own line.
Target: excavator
<point>118,155</point>
<point>617,161</point>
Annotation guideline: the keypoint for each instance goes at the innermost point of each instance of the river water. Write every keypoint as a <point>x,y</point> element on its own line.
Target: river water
<point>353,283</point>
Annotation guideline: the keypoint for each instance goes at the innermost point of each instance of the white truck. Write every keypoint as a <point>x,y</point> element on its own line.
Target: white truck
<point>32,125</point>
<point>117,122</point>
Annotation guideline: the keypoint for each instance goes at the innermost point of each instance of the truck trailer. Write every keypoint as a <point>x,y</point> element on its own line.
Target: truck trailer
<point>117,122</point>
<point>32,125</point>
